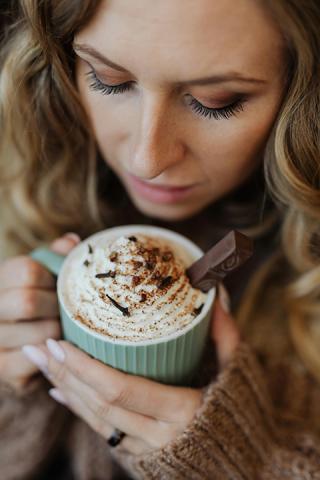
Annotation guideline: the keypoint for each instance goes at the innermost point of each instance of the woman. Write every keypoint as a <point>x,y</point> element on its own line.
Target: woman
<point>190,115</point>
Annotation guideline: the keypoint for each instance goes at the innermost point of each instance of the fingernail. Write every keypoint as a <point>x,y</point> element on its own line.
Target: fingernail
<point>73,236</point>
<point>57,395</point>
<point>55,350</point>
<point>37,357</point>
<point>224,298</point>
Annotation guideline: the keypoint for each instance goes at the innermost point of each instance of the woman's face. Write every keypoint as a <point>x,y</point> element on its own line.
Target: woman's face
<point>201,85</point>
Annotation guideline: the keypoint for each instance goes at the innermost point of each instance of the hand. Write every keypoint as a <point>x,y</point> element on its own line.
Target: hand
<point>28,312</point>
<point>151,414</point>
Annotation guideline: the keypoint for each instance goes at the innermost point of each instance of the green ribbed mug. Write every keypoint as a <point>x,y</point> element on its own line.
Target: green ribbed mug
<point>172,359</point>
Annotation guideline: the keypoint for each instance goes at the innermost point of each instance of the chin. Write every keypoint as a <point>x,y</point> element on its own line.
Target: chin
<point>167,212</point>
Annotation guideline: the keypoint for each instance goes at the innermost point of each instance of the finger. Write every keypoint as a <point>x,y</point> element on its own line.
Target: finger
<point>73,388</point>
<point>23,271</point>
<point>15,367</point>
<point>14,336</point>
<point>163,402</point>
<point>224,331</point>
<point>76,404</point>
<point>27,303</point>
<point>64,244</point>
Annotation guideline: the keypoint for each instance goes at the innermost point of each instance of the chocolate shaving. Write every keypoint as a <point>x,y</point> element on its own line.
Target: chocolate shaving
<point>133,238</point>
<point>124,310</point>
<point>90,248</point>
<point>226,256</point>
<point>106,275</point>
<point>165,282</point>
<point>197,310</point>
<point>86,263</point>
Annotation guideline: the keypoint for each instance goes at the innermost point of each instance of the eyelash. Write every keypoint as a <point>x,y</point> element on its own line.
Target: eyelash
<point>216,113</point>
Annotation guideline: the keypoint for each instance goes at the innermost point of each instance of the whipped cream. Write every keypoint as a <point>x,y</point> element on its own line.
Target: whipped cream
<point>131,288</point>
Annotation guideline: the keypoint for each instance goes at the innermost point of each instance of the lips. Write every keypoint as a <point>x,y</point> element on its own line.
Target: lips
<point>159,193</point>
<point>167,187</point>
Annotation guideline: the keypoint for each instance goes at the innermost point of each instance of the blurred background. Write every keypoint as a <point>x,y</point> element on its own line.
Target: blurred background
<point>7,12</point>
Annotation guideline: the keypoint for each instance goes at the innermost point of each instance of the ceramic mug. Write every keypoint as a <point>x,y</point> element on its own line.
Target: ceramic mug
<point>172,359</point>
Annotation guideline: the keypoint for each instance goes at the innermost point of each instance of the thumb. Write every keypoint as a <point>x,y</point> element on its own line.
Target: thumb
<point>224,331</point>
<point>64,244</point>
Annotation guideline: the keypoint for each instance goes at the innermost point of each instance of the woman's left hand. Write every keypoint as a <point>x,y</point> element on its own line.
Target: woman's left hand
<point>151,414</point>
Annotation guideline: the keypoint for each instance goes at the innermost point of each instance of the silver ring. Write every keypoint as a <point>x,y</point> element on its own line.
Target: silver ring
<point>116,437</point>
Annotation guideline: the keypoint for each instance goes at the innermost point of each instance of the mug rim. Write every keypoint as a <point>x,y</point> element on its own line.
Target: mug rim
<point>165,233</point>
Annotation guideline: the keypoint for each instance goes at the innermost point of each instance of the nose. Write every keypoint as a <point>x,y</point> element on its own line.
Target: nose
<point>158,146</point>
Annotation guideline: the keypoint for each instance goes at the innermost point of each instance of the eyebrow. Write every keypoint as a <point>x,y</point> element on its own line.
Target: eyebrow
<point>232,76</point>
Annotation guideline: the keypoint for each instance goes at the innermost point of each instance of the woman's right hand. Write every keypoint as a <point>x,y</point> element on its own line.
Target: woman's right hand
<point>29,311</point>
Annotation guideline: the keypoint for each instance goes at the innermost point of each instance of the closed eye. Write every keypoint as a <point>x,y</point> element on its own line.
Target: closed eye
<point>216,113</point>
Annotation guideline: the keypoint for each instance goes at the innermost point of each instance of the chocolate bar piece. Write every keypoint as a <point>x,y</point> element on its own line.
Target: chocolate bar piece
<point>224,257</point>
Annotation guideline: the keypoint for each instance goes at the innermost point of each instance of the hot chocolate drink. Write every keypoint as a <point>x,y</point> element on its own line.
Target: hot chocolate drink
<point>131,287</point>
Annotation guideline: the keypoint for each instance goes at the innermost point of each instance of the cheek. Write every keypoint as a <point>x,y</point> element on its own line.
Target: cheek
<point>102,118</point>
<point>97,113</point>
<point>109,131</point>
<point>236,148</point>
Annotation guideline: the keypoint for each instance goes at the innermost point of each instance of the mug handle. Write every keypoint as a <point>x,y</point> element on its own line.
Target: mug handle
<point>49,259</point>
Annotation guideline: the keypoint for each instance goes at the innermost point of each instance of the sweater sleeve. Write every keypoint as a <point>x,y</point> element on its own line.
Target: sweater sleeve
<point>238,433</point>
<point>30,425</point>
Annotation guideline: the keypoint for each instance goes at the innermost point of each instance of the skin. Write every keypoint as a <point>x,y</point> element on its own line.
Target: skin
<point>151,131</point>
<point>28,312</point>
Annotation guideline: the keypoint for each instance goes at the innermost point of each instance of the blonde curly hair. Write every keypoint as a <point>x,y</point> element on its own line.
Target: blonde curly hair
<point>44,131</point>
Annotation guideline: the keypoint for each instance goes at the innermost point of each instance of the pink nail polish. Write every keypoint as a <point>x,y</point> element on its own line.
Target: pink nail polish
<point>57,395</point>
<point>56,350</point>
<point>36,356</point>
<point>73,236</point>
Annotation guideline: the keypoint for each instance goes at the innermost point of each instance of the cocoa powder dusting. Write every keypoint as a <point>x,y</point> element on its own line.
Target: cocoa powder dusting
<point>136,280</point>
<point>156,276</point>
<point>143,297</point>
<point>113,256</point>
<point>137,264</point>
